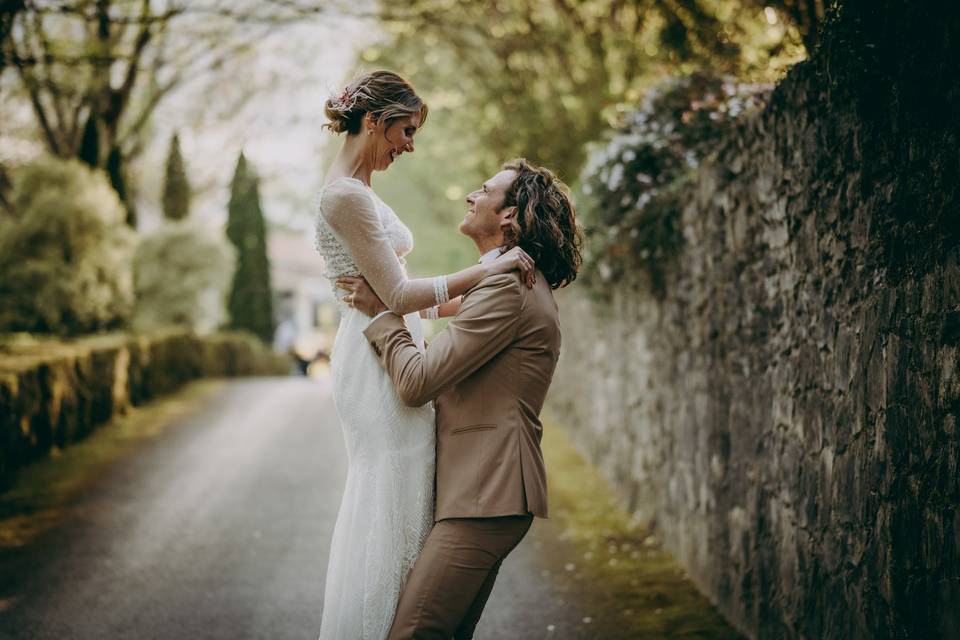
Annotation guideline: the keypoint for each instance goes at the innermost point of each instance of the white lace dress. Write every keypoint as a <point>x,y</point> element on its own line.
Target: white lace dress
<point>387,508</point>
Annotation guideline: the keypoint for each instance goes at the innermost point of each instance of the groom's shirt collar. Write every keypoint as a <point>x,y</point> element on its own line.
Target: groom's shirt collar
<point>490,256</point>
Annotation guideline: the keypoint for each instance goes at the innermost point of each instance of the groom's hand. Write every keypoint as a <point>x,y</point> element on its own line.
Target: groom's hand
<point>360,296</point>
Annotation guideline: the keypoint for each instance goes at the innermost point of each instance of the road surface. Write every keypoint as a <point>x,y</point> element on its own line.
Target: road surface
<point>219,529</point>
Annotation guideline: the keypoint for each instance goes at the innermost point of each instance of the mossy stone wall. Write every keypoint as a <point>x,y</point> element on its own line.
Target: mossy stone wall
<point>785,411</point>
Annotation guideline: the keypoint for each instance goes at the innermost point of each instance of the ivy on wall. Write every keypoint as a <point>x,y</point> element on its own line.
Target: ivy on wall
<point>633,181</point>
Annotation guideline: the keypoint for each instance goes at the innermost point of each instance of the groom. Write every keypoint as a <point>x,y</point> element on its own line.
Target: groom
<point>489,371</point>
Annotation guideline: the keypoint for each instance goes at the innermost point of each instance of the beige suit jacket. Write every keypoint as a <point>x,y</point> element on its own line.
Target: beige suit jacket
<point>489,371</point>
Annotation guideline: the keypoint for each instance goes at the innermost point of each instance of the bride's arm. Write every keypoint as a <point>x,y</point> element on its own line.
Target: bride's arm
<point>445,310</point>
<point>349,210</point>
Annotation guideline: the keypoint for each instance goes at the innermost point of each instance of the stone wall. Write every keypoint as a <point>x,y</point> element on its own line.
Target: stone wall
<point>785,412</point>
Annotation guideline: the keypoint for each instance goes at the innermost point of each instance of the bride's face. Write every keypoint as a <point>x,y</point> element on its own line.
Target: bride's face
<point>388,141</point>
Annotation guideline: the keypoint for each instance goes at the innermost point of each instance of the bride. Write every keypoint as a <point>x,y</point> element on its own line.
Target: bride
<point>387,507</point>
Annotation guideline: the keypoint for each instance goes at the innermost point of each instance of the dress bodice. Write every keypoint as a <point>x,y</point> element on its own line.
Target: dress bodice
<point>338,260</point>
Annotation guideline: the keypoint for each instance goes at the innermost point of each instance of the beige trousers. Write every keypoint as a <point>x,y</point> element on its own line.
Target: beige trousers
<point>452,579</point>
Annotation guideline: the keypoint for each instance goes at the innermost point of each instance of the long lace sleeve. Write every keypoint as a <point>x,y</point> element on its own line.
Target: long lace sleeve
<point>348,208</point>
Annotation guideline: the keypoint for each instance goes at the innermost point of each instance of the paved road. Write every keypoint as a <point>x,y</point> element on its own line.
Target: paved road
<point>220,529</point>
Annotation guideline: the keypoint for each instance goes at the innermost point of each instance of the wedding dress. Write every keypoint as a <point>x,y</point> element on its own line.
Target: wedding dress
<point>387,507</point>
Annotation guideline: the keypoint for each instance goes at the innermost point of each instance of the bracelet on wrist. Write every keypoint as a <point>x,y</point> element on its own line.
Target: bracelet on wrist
<point>440,292</point>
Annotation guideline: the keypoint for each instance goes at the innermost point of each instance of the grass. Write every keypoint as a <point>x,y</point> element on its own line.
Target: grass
<point>43,490</point>
<point>623,580</point>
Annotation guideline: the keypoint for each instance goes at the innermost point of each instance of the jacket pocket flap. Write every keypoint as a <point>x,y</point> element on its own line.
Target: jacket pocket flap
<point>474,427</point>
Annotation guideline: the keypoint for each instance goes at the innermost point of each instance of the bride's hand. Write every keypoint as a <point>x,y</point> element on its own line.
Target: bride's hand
<point>516,258</point>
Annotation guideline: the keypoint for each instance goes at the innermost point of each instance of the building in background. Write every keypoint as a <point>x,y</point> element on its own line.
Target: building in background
<point>305,309</point>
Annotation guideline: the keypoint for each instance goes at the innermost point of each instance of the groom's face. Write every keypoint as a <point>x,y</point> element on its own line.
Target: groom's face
<point>486,216</point>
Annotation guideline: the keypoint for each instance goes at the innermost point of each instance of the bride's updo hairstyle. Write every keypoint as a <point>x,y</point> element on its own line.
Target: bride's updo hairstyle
<point>383,94</point>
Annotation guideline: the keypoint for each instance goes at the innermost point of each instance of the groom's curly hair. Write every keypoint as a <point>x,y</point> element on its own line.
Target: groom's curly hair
<point>545,225</point>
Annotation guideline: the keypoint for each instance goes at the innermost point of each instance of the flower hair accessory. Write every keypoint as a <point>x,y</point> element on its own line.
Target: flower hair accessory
<point>347,99</point>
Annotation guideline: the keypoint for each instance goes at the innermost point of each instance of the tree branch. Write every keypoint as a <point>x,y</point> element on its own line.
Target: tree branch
<point>47,81</point>
<point>33,90</point>
<point>120,96</point>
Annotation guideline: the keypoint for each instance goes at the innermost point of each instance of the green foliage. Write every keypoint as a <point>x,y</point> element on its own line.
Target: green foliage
<point>176,188</point>
<point>250,302</point>
<point>117,173</point>
<point>634,182</point>
<point>65,257</point>
<point>540,78</point>
<point>182,275</point>
<point>89,151</point>
<point>93,72</point>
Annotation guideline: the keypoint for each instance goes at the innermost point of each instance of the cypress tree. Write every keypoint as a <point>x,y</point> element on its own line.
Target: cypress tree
<point>250,303</point>
<point>89,151</point>
<point>119,184</point>
<point>176,188</point>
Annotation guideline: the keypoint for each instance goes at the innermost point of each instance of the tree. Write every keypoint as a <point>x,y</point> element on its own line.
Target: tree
<point>540,78</point>
<point>176,188</point>
<point>182,276</point>
<point>250,303</point>
<point>543,78</point>
<point>65,254</point>
<point>806,15</point>
<point>8,11</point>
<point>95,70</point>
